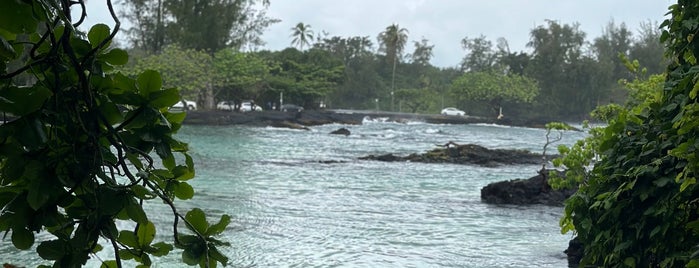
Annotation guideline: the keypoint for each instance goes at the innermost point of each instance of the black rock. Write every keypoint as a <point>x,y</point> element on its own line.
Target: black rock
<point>574,252</point>
<point>341,131</point>
<point>534,190</point>
<point>466,154</point>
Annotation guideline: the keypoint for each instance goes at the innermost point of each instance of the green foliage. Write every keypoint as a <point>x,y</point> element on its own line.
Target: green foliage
<point>204,25</point>
<point>187,70</point>
<point>638,205</point>
<point>86,146</point>
<point>494,88</point>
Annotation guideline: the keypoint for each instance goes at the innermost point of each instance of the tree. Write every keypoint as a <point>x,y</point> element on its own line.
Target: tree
<point>480,56</point>
<point>208,25</point>
<point>647,49</point>
<point>302,34</point>
<point>87,146</point>
<point>148,19</point>
<point>494,88</point>
<point>511,62</point>
<point>615,41</point>
<point>637,207</point>
<point>187,70</point>
<point>422,53</point>
<point>239,75</point>
<point>392,42</point>
<point>557,64</point>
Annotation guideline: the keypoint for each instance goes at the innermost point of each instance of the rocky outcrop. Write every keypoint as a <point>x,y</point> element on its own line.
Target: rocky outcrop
<point>465,154</point>
<point>534,190</point>
<point>575,252</point>
<point>341,131</point>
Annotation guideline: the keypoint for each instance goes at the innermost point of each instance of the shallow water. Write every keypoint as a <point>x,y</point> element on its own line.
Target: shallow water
<point>302,199</point>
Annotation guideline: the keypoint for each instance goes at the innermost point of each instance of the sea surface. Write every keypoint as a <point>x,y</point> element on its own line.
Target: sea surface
<point>303,199</point>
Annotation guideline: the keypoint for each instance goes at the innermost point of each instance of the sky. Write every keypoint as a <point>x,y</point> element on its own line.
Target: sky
<point>443,22</point>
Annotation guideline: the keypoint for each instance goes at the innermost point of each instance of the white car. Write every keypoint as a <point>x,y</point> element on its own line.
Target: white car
<point>248,106</point>
<point>226,105</point>
<point>452,111</point>
<point>188,104</point>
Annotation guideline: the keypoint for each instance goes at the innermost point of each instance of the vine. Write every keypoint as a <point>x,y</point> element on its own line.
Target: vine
<point>77,151</point>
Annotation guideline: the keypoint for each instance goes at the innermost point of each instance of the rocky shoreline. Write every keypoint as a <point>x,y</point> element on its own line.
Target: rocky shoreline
<point>351,117</point>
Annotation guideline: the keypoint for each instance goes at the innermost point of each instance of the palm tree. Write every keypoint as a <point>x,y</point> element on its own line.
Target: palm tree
<point>392,41</point>
<point>302,35</point>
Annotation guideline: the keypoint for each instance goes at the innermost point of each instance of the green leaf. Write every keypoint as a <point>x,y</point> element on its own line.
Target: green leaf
<point>22,238</point>
<point>128,238</point>
<point>145,233</point>
<point>219,227</point>
<point>149,82</point>
<point>115,56</point>
<point>136,213</point>
<point>51,250</point>
<point>21,101</point>
<point>190,257</point>
<point>165,98</point>
<point>97,34</point>
<point>184,191</point>
<point>109,264</point>
<point>161,249</point>
<point>197,219</point>
<point>13,17</point>
<point>142,192</point>
<point>216,255</point>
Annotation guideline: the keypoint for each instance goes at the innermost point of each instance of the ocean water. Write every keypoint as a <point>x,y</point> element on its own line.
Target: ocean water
<point>302,199</point>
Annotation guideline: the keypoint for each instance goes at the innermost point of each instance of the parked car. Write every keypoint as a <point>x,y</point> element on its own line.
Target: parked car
<point>452,111</point>
<point>185,105</point>
<point>226,105</point>
<point>290,108</point>
<point>249,106</point>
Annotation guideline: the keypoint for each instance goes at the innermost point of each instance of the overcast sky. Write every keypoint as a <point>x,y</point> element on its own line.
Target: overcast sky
<point>444,22</point>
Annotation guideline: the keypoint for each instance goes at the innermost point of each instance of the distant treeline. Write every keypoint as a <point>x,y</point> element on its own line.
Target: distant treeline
<point>564,76</point>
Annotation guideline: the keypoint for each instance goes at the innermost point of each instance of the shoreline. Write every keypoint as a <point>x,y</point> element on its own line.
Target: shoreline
<point>350,117</point>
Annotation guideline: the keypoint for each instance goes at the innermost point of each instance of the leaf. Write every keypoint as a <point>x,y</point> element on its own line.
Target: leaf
<point>197,219</point>
<point>219,227</point>
<point>13,17</point>
<point>136,213</point>
<point>97,34</point>
<point>128,238</point>
<point>142,192</point>
<point>109,264</point>
<point>22,238</point>
<point>190,257</point>
<point>161,249</point>
<point>165,98</point>
<point>21,101</point>
<point>145,233</point>
<point>216,255</point>
<point>149,82</point>
<point>184,191</point>
<point>51,250</point>
<point>115,56</point>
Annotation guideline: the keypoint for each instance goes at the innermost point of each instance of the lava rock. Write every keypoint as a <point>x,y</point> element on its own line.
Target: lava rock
<point>534,190</point>
<point>341,131</point>
<point>465,154</point>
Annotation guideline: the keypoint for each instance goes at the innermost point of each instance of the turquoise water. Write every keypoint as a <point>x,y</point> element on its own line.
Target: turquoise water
<point>302,199</point>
